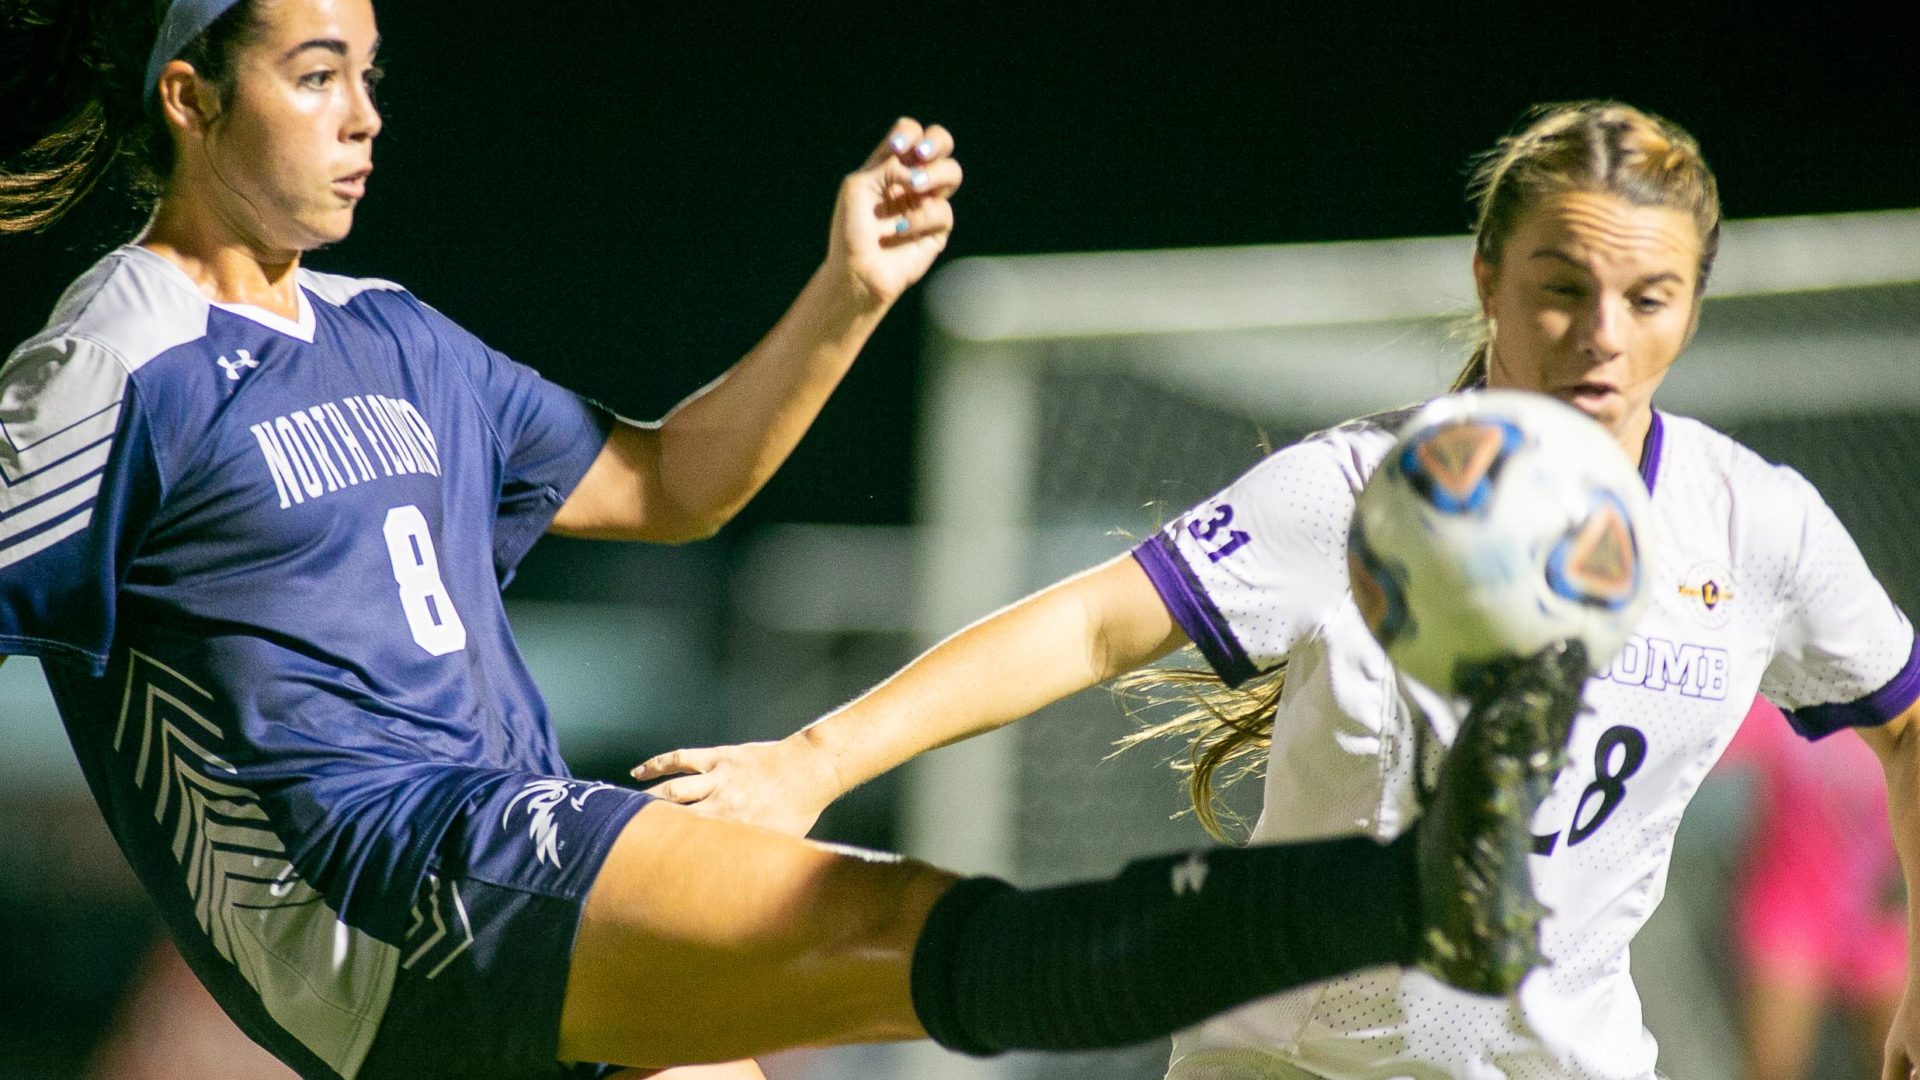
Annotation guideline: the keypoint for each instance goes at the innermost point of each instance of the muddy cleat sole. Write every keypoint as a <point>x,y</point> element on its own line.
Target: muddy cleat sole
<point>1480,918</point>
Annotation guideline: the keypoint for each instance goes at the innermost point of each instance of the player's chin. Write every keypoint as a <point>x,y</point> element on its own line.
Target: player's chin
<point>329,227</point>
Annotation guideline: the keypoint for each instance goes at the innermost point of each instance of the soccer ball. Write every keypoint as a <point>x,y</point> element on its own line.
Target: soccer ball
<point>1500,522</point>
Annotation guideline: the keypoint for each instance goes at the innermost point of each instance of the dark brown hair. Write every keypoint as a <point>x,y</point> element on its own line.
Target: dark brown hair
<point>71,74</point>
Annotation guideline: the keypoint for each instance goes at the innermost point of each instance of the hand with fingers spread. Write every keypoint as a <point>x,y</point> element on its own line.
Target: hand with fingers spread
<point>781,785</point>
<point>894,215</point>
<point>685,476</point>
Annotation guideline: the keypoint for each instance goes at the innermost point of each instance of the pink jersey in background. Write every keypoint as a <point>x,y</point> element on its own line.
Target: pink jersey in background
<point>1820,897</point>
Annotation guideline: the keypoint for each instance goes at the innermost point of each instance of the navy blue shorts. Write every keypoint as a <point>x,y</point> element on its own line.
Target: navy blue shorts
<point>483,969</point>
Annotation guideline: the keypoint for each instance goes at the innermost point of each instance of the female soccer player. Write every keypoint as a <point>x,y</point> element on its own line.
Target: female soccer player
<point>1597,228</point>
<point>255,520</point>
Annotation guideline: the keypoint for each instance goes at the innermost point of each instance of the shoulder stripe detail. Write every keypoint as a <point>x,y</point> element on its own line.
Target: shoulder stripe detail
<point>90,428</point>
<point>50,477</point>
<point>30,517</point>
<point>60,405</point>
<point>41,541</point>
<point>69,487</point>
<point>18,491</point>
<point>23,455</point>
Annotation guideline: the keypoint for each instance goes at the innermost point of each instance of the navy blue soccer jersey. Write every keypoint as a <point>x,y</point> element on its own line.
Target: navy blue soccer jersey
<point>262,560</point>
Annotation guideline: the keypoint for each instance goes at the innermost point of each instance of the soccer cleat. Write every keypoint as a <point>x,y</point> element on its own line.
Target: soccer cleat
<point>1480,918</point>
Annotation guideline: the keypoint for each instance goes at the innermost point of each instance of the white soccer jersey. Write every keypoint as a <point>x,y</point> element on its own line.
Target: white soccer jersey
<point>1756,588</point>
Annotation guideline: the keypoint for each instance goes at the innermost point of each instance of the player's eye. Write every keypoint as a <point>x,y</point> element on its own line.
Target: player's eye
<point>1648,305</point>
<point>1562,288</point>
<point>317,80</point>
<point>372,78</point>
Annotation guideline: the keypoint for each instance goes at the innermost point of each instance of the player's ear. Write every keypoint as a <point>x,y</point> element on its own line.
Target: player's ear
<point>185,99</point>
<point>1483,281</point>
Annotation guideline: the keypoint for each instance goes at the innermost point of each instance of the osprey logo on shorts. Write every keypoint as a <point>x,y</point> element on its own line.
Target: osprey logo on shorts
<point>543,798</point>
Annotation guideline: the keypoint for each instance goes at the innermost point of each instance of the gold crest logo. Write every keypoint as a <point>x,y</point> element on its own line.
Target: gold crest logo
<point>1710,591</point>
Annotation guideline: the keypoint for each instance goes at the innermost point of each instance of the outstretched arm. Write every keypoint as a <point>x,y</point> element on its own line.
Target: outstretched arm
<point>1898,744</point>
<point>1080,632</point>
<point>684,476</point>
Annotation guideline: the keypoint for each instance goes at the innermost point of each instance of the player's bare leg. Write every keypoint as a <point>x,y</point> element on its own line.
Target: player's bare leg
<point>705,940</point>
<point>1483,918</point>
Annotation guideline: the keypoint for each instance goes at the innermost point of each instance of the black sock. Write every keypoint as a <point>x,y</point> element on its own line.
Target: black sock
<point>1168,943</point>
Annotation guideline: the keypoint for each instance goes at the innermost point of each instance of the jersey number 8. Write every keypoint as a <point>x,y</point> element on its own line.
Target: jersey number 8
<point>430,614</point>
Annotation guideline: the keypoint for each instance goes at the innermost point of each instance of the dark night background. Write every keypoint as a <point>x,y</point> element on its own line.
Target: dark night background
<point>625,195</point>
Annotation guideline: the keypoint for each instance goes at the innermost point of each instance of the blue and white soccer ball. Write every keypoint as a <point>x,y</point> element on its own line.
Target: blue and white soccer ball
<point>1500,522</point>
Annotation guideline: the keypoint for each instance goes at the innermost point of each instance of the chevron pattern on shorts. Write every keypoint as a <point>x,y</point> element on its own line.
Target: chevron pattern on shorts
<point>440,930</point>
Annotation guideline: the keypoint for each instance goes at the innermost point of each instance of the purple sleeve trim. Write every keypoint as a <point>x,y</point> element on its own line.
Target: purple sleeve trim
<point>1187,601</point>
<point>1650,454</point>
<point>1818,721</point>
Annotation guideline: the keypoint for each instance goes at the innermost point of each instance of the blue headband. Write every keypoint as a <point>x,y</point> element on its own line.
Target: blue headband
<point>184,21</point>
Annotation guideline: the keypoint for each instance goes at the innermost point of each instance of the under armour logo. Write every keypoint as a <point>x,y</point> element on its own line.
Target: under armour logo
<point>233,369</point>
<point>1190,876</point>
